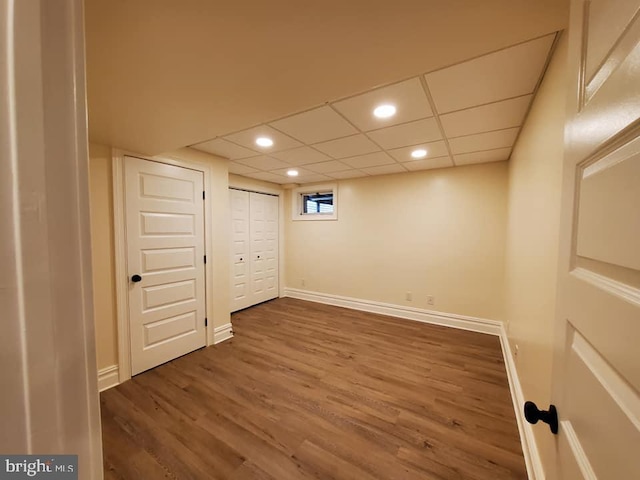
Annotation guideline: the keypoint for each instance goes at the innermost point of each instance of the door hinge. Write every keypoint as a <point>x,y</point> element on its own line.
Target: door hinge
<point>205,259</point>
<point>203,195</point>
<point>206,322</point>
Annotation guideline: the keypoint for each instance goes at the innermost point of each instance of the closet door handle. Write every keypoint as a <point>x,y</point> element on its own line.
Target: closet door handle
<point>136,278</point>
<point>258,256</point>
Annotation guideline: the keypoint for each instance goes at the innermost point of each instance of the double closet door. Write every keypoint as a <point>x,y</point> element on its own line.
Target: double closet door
<point>254,248</point>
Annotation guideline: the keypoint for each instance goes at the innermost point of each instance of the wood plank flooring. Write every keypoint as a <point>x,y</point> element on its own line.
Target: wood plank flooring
<point>309,391</point>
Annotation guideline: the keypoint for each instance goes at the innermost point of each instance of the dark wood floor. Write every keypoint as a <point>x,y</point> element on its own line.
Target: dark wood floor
<point>311,391</point>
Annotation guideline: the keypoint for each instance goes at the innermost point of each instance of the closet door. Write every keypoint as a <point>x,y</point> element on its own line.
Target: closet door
<point>240,250</point>
<point>254,250</point>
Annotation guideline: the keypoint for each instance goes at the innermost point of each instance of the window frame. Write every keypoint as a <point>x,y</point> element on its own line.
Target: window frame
<point>297,199</point>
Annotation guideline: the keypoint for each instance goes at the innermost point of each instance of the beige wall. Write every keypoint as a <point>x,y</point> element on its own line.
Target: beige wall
<point>535,175</point>
<point>102,233</point>
<point>102,254</point>
<point>438,232</point>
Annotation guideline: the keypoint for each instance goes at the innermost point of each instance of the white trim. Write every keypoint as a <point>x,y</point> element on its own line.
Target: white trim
<point>578,452</point>
<point>108,377</point>
<point>533,462</point>
<point>222,333</point>
<point>532,458</point>
<point>462,322</point>
<point>122,284</point>
<point>122,278</point>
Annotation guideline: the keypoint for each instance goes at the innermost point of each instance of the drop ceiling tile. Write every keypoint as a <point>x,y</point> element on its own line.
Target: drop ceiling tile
<point>225,149</point>
<point>434,149</point>
<point>326,167</point>
<point>283,172</point>
<point>497,155</point>
<point>313,177</point>
<point>269,177</point>
<point>408,97</point>
<point>484,141</point>
<point>315,126</point>
<point>412,133</point>
<point>247,138</point>
<point>348,174</point>
<point>347,147</point>
<point>301,156</point>
<point>508,73</point>
<point>263,162</point>
<point>385,169</point>
<point>495,116</point>
<point>429,164</point>
<point>369,160</point>
<point>240,169</point>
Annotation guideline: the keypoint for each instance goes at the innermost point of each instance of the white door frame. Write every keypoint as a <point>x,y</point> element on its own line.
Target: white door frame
<point>121,272</point>
<point>240,183</point>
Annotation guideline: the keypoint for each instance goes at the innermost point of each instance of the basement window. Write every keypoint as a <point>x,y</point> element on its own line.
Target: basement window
<point>316,202</point>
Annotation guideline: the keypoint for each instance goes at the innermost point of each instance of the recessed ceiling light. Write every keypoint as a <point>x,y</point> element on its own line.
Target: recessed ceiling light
<point>385,111</point>
<point>419,153</point>
<point>264,141</point>
<point>292,173</point>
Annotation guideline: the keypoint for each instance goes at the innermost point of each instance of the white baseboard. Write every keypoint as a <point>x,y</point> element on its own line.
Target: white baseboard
<point>108,377</point>
<point>222,333</point>
<point>474,324</point>
<point>532,458</point>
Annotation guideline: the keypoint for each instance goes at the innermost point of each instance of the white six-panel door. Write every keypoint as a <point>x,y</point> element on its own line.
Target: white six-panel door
<point>254,258</point>
<point>165,248</point>
<point>597,368</point>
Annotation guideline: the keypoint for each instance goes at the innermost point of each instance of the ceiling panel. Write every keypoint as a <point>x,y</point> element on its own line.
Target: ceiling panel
<point>347,147</point>
<point>504,74</point>
<point>434,149</point>
<point>408,97</point>
<point>240,169</point>
<point>269,177</point>
<point>385,169</point>
<point>412,133</point>
<point>225,149</point>
<point>484,141</point>
<point>497,155</point>
<point>326,167</point>
<point>247,138</point>
<point>263,162</point>
<point>301,156</point>
<point>347,174</point>
<point>369,160</point>
<point>315,126</point>
<point>495,116</point>
<point>429,164</point>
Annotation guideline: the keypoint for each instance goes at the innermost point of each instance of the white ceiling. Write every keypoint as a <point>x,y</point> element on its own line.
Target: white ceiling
<point>470,112</point>
<point>164,74</point>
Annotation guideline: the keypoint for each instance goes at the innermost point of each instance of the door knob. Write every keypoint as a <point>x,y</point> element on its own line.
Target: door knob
<point>136,278</point>
<point>258,256</point>
<point>532,413</point>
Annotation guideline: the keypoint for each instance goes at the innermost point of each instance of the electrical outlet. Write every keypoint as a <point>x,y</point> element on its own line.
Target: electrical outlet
<point>302,284</point>
<point>409,296</point>
<point>430,300</point>
<point>515,350</point>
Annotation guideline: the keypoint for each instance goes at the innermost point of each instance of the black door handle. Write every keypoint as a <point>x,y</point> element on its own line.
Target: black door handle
<point>136,278</point>
<point>532,413</point>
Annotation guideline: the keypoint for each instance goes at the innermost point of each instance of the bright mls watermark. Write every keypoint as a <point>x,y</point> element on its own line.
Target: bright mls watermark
<point>50,467</point>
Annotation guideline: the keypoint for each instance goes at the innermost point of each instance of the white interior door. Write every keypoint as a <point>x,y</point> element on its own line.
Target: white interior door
<point>263,217</point>
<point>240,250</point>
<point>254,257</point>
<point>165,249</point>
<point>597,368</point>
